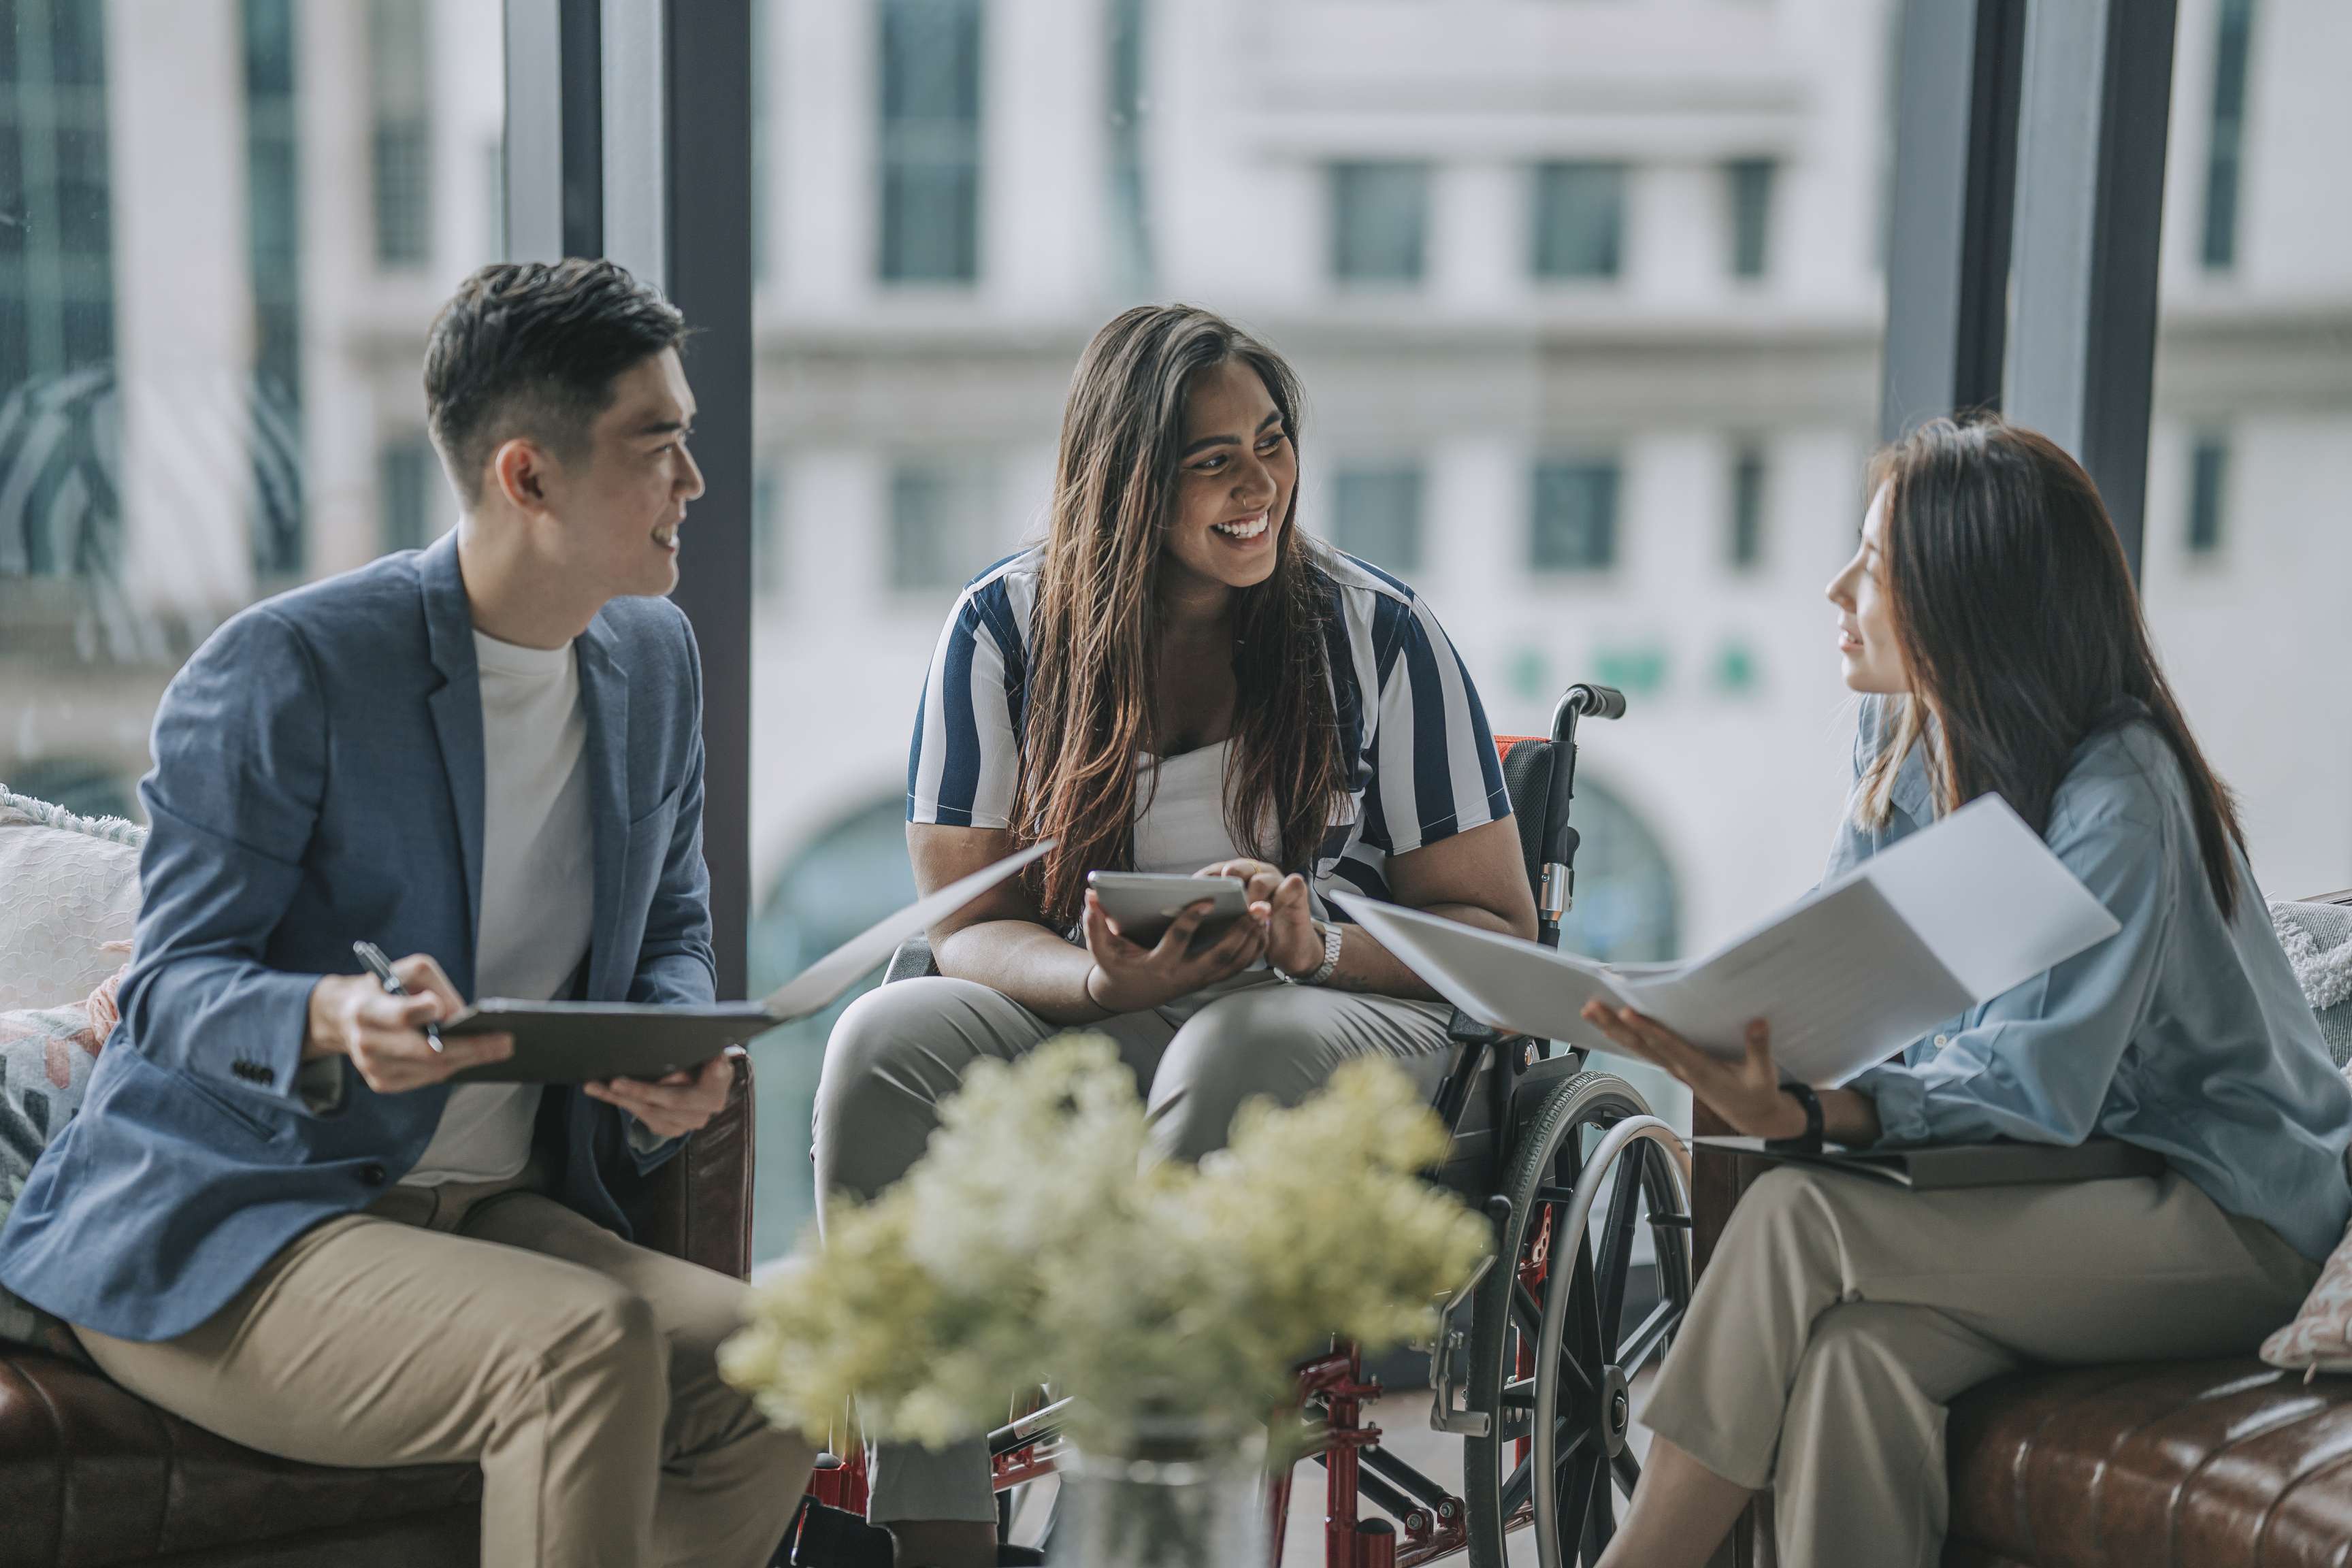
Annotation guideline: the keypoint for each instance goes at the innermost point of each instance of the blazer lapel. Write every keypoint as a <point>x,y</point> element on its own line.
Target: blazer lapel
<point>457,706</point>
<point>604,697</point>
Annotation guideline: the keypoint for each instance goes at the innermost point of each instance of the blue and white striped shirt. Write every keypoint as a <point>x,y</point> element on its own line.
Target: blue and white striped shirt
<point>1424,767</point>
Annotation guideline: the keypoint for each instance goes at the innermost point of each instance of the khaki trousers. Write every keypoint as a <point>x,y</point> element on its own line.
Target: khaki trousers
<point>490,1325</point>
<point>901,1050</point>
<point>1839,1315</point>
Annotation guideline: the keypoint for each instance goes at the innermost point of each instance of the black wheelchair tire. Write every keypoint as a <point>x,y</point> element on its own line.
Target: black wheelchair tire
<point>1545,1159</point>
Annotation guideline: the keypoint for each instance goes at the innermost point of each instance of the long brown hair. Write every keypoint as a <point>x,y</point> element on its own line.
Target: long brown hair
<point>1090,705</point>
<point>2018,621</point>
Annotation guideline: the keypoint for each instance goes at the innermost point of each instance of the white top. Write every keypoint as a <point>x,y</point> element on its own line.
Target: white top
<point>1183,827</point>
<point>538,888</point>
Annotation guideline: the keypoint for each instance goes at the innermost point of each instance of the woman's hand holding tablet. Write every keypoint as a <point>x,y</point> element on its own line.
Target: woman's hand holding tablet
<point>1154,938</point>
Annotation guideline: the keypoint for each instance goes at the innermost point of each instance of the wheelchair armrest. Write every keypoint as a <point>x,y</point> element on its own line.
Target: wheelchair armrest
<point>1465,1030</point>
<point>913,961</point>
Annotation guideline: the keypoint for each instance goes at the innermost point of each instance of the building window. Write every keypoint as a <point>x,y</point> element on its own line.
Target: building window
<point>1380,220</point>
<point>931,140</point>
<point>1747,540</point>
<point>943,523</point>
<point>400,104</point>
<point>274,258</point>
<point>1575,517</point>
<point>2209,479</point>
<point>1130,221</point>
<point>1377,516</point>
<point>2225,153</point>
<point>409,487</point>
<point>1751,183</point>
<point>56,274</point>
<point>1580,225</point>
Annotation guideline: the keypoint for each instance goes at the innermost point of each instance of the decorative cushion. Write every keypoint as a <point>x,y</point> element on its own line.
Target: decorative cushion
<point>2320,1337</point>
<point>68,887</point>
<point>45,1055</point>
<point>2318,943</point>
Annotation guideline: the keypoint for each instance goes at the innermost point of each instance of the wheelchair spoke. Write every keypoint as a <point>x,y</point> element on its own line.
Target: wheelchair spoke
<point>1628,1469</point>
<point>1617,1248</point>
<point>1601,1523</point>
<point>1643,1343</point>
<point>1572,1491</point>
<point>1516,1490</point>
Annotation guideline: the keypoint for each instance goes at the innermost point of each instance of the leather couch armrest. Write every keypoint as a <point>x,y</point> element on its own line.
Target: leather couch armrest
<point>699,1206</point>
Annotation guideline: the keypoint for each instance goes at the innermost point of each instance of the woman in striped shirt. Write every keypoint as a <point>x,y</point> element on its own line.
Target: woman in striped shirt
<point>1177,680</point>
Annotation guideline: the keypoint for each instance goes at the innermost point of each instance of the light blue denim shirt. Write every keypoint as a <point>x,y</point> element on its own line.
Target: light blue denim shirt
<point>2184,1033</point>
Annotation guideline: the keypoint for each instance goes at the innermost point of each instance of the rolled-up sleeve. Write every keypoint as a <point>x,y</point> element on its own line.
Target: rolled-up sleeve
<point>1436,771</point>
<point>2035,1063</point>
<point>965,757</point>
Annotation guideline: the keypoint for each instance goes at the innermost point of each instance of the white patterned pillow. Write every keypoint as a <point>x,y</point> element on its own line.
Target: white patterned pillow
<point>2320,1337</point>
<point>68,886</point>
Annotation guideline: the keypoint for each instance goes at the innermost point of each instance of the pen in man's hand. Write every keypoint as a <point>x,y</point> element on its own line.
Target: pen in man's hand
<point>380,967</point>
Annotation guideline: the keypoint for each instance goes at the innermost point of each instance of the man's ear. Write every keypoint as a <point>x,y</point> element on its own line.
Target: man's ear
<point>521,470</point>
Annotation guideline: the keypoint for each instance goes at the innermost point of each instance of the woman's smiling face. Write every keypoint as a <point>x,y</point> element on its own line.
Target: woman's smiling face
<point>1235,478</point>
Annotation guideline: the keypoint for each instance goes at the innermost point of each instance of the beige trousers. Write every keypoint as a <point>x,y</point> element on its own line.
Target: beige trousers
<point>901,1050</point>
<point>490,1325</point>
<point>1840,1315</point>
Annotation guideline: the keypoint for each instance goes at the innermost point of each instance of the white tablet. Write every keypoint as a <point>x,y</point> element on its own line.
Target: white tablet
<point>1143,904</point>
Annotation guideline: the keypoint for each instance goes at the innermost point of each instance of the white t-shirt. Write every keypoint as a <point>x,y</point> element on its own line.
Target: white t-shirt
<point>538,888</point>
<point>1183,827</point>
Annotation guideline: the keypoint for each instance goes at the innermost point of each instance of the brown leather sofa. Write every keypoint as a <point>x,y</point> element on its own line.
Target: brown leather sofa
<point>90,1477</point>
<point>2221,1464</point>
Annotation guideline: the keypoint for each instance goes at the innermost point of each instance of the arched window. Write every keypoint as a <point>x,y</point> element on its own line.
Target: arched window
<point>1626,910</point>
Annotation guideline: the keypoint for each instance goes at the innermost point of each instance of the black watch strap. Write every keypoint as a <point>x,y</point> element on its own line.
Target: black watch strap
<point>1808,1141</point>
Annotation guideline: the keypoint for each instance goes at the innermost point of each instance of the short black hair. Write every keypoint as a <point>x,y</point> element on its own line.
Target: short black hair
<point>530,347</point>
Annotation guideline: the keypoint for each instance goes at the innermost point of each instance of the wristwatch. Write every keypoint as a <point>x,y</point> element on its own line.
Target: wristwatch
<point>1322,971</point>
<point>1808,1141</point>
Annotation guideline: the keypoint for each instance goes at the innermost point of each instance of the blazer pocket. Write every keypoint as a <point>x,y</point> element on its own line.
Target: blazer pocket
<point>221,1101</point>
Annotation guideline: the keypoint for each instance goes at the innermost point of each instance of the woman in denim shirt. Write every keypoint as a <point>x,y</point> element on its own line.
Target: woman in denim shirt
<point>1991,617</point>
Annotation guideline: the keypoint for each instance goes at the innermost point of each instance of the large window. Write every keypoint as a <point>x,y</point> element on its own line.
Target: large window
<point>2248,538</point>
<point>209,384</point>
<point>1498,242</point>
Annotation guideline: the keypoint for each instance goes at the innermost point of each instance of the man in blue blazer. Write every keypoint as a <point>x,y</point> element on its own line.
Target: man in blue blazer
<point>275,1215</point>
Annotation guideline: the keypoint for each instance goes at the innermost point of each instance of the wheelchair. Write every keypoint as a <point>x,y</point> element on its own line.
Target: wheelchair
<point>1535,1357</point>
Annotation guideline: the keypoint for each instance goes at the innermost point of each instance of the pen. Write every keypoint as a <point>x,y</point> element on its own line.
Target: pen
<point>380,967</point>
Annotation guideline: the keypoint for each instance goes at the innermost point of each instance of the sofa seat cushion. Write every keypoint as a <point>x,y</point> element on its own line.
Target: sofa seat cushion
<point>2225,1464</point>
<point>92,1477</point>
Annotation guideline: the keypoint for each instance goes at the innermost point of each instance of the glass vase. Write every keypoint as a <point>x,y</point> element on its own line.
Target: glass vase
<point>1181,1502</point>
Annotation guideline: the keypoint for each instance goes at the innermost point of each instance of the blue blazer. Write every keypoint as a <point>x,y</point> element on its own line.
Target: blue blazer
<point>319,779</point>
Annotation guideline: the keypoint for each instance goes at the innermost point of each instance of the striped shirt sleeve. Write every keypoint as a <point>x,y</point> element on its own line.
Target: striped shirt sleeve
<point>1435,770</point>
<point>965,757</point>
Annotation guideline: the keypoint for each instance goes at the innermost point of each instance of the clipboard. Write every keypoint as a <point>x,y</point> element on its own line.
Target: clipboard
<point>586,1042</point>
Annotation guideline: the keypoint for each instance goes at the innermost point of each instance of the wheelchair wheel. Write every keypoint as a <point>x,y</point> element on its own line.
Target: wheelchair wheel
<point>1564,1322</point>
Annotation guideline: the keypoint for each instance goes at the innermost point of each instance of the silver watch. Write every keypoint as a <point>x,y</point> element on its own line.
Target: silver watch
<point>1332,936</point>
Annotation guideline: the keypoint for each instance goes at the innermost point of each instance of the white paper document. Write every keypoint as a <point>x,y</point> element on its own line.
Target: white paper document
<point>1952,916</point>
<point>815,988</point>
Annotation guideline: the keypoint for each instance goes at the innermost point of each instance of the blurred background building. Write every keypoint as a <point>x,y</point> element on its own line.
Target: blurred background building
<point>1587,295</point>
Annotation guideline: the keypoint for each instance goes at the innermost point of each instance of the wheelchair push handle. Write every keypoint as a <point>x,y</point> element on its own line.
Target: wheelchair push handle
<point>1586,700</point>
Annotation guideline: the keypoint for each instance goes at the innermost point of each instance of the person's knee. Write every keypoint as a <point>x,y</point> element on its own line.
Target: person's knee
<point>605,1344</point>
<point>880,1064</point>
<point>1256,1044</point>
